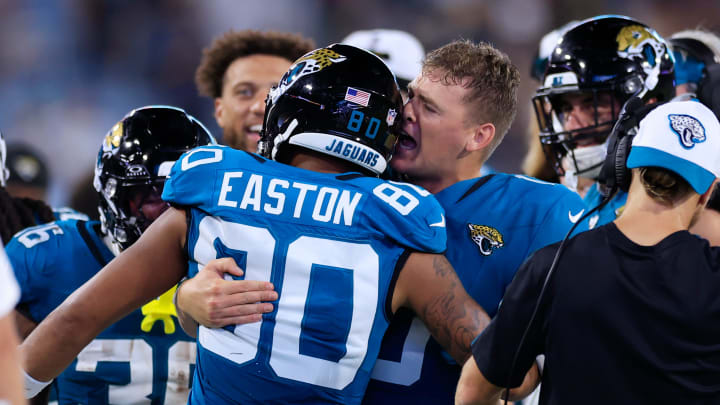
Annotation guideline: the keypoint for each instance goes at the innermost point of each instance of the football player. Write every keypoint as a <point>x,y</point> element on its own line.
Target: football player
<point>594,69</point>
<point>137,359</point>
<point>237,70</point>
<point>344,249</point>
<point>460,108</point>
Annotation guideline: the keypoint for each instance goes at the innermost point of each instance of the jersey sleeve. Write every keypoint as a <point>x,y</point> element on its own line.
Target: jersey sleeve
<point>192,178</point>
<point>28,262</point>
<point>9,291</point>
<point>410,215</point>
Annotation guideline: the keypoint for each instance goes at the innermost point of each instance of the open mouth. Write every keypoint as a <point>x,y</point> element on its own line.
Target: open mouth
<point>253,131</point>
<point>406,142</point>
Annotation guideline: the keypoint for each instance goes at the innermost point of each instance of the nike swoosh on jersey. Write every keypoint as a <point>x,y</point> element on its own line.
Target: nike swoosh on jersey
<point>574,218</point>
<point>440,224</point>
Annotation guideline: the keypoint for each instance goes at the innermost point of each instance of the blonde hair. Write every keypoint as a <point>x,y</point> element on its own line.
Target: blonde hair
<point>493,81</point>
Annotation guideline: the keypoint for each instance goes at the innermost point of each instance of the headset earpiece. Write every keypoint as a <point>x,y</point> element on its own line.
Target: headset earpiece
<point>611,173</point>
<point>622,173</point>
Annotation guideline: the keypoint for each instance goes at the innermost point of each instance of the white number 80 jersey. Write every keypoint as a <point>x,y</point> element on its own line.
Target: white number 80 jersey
<point>329,243</point>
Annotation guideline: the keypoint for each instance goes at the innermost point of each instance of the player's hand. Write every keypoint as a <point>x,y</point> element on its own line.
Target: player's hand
<point>214,302</point>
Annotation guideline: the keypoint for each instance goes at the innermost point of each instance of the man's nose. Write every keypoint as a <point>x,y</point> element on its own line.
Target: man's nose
<point>258,105</point>
<point>576,118</point>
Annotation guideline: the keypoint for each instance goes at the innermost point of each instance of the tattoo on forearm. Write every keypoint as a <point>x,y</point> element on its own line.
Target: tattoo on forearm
<point>457,317</point>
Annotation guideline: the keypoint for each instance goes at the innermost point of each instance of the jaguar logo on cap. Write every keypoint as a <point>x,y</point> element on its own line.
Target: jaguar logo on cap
<point>688,128</point>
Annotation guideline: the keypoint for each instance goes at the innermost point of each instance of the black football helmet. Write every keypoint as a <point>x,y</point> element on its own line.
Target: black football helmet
<point>135,159</point>
<point>612,55</point>
<point>340,100</point>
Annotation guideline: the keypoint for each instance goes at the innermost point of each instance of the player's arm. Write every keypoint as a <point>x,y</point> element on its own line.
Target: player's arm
<point>11,388</point>
<point>428,285</point>
<point>474,388</point>
<point>151,266</point>
<point>212,301</point>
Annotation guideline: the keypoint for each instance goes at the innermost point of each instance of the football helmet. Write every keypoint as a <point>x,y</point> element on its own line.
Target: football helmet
<point>605,59</point>
<point>4,172</point>
<point>134,161</point>
<point>697,65</point>
<point>340,100</point>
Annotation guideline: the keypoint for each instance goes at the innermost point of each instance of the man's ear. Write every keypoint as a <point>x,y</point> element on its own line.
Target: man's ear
<point>483,135</point>
<point>219,111</point>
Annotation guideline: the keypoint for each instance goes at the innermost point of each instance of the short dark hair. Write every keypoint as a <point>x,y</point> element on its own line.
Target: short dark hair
<point>225,49</point>
<point>664,186</point>
<point>493,83</point>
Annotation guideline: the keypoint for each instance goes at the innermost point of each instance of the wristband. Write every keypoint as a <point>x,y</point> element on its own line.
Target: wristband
<point>33,386</point>
<point>174,300</point>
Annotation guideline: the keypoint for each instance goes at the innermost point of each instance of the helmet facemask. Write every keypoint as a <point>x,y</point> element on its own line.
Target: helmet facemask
<point>605,57</point>
<point>582,149</point>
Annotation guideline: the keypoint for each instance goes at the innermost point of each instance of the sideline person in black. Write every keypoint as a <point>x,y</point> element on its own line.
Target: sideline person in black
<point>632,312</point>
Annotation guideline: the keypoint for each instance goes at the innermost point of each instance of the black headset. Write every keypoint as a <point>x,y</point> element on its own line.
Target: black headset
<point>614,174</point>
<point>708,90</point>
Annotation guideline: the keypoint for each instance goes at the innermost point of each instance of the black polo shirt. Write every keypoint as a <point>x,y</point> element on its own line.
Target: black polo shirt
<point>620,323</point>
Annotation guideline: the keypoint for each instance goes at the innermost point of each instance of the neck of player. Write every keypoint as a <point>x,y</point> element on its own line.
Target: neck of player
<point>440,181</point>
<point>647,222</point>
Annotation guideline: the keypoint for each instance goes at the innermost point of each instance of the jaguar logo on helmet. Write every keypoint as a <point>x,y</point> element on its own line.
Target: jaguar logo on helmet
<point>313,62</point>
<point>486,238</point>
<point>112,139</point>
<point>688,128</point>
<point>643,44</point>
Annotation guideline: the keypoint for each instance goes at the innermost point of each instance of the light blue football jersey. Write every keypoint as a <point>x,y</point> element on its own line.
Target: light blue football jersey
<point>331,245</point>
<point>123,365</point>
<point>494,223</point>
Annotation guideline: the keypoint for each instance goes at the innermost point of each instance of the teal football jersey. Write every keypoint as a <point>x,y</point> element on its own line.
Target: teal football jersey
<point>124,364</point>
<point>330,243</point>
<point>609,212</point>
<point>494,223</point>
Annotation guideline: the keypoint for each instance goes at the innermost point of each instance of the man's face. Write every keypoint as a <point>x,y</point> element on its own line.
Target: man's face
<point>577,111</point>
<point>436,128</point>
<point>239,110</point>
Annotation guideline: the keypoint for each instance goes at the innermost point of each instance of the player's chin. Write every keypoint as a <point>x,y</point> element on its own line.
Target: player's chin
<point>251,142</point>
<point>403,162</point>
<point>234,140</point>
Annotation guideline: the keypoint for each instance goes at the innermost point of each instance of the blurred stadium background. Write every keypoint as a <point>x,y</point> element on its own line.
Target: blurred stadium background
<point>70,69</point>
